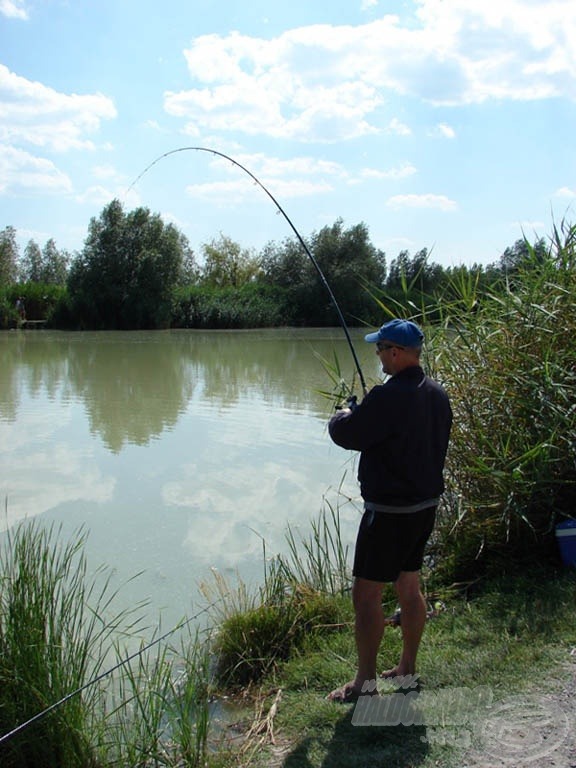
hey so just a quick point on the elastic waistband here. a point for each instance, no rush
(371, 506)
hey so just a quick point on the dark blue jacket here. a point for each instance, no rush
(402, 429)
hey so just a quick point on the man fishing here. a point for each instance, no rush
(401, 429)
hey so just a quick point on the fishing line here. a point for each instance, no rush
(102, 675)
(299, 237)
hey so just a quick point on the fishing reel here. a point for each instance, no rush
(351, 403)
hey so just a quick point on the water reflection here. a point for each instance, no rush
(179, 451)
(135, 385)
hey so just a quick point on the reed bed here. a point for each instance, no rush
(507, 356)
(70, 693)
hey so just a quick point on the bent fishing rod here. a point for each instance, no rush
(299, 237)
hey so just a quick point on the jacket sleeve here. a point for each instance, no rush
(362, 428)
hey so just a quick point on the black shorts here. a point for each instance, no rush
(389, 542)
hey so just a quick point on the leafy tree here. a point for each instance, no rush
(9, 255)
(226, 264)
(190, 272)
(31, 264)
(54, 264)
(126, 273)
(285, 265)
(349, 263)
(523, 253)
(47, 265)
(416, 272)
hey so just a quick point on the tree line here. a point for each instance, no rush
(137, 272)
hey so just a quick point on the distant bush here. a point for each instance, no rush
(250, 306)
(40, 301)
(8, 314)
(125, 276)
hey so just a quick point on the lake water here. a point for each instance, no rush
(178, 452)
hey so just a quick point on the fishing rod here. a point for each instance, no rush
(93, 681)
(299, 237)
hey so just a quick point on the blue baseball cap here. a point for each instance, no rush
(402, 332)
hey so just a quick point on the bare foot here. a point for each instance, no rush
(397, 676)
(350, 693)
(394, 672)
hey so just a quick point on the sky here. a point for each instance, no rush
(441, 124)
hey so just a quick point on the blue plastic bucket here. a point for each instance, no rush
(566, 538)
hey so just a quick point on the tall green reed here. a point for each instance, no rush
(507, 356)
(52, 640)
(160, 708)
(318, 561)
(65, 671)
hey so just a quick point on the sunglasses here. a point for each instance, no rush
(382, 346)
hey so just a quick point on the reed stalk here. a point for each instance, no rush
(70, 693)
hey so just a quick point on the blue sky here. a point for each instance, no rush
(445, 124)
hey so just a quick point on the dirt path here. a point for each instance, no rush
(532, 730)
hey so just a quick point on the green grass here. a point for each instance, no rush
(505, 636)
(66, 674)
(513, 636)
(501, 636)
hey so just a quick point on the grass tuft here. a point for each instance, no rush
(302, 596)
(90, 703)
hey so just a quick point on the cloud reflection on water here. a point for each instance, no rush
(179, 451)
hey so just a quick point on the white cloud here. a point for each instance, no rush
(22, 172)
(443, 131)
(512, 49)
(565, 192)
(34, 114)
(530, 226)
(106, 172)
(171, 218)
(399, 128)
(437, 202)
(232, 192)
(98, 194)
(295, 177)
(260, 164)
(327, 83)
(317, 112)
(365, 5)
(397, 244)
(401, 172)
(13, 9)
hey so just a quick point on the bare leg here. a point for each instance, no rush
(413, 620)
(369, 627)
